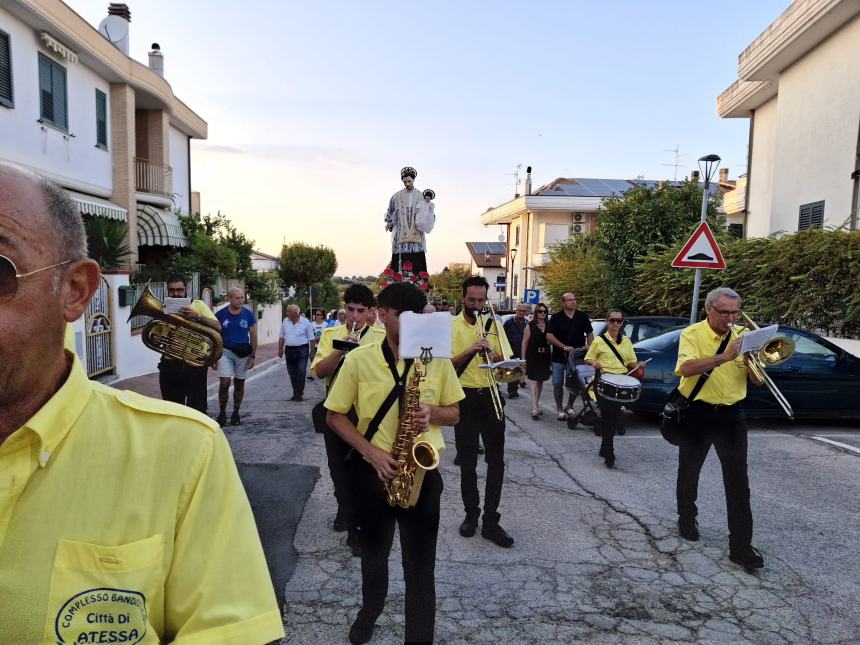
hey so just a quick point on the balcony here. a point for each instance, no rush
(153, 178)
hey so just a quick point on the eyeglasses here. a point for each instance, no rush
(9, 275)
(616, 320)
(542, 311)
(725, 313)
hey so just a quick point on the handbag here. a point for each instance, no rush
(673, 416)
(242, 351)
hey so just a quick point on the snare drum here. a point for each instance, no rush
(618, 387)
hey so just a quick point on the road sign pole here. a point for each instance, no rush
(697, 285)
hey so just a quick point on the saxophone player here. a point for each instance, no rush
(372, 380)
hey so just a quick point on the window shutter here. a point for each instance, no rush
(59, 87)
(811, 216)
(45, 92)
(817, 215)
(101, 118)
(5, 70)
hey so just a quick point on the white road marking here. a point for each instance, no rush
(838, 444)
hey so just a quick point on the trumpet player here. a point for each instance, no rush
(481, 413)
(715, 417)
(372, 380)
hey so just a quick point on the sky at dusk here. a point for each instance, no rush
(313, 108)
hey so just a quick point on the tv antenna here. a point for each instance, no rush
(516, 176)
(679, 160)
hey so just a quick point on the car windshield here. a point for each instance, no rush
(597, 327)
(660, 341)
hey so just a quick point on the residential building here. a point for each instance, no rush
(75, 108)
(487, 261)
(798, 86)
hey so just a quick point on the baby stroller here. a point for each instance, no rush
(579, 381)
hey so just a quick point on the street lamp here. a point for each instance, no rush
(510, 284)
(708, 167)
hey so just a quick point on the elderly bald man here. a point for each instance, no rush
(239, 331)
(127, 505)
(294, 342)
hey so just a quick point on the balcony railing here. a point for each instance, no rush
(153, 178)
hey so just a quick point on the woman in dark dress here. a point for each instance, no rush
(536, 351)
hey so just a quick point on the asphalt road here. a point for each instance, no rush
(597, 558)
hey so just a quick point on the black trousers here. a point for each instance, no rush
(478, 419)
(419, 528)
(297, 365)
(419, 262)
(725, 428)
(336, 450)
(610, 417)
(182, 383)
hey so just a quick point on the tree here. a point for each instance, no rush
(327, 296)
(574, 267)
(642, 219)
(303, 265)
(106, 242)
(447, 285)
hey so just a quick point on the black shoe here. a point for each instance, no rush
(620, 430)
(748, 557)
(688, 528)
(497, 535)
(457, 459)
(480, 449)
(353, 543)
(221, 419)
(361, 631)
(609, 460)
(310, 378)
(469, 526)
(341, 523)
(234, 418)
(296, 397)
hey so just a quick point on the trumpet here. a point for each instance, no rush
(777, 350)
(491, 373)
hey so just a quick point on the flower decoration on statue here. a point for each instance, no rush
(420, 279)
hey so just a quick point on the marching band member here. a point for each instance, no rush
(478, 416)
(370, 381)
(360, 307)
(612, 355)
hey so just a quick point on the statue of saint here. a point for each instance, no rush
(410, 216)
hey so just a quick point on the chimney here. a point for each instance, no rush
(724, 174)
(694, 176)
(529, 180)
(115, 26)
(156, 60)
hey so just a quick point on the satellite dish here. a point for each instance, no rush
(114, 28)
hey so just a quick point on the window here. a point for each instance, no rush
(811, 216)
(101, 119)
(516, 285)
(52, 93)
(517, 235)
(5, 71)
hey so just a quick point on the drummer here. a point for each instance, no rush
(611, 353)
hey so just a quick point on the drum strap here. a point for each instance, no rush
(611, 346)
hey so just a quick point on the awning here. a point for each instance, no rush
(90, 205)
(158, 227)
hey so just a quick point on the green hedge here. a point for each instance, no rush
(809, 279)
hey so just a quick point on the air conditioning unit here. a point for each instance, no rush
(577, 228)
(577, 217)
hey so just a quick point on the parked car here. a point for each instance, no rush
(820, 380)
(638, 328)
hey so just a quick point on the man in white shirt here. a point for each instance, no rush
(294, 342)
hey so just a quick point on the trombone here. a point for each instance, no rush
(491, 373)
(778, 350)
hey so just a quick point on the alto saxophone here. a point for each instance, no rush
(413, 457)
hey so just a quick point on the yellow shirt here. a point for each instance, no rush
(364, 381)
(203, 309)
(123, 517)
(600, 351)
(727, 383)
(464, 335)
(374, 334)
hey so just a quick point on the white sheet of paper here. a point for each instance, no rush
(432, 331)
(511, 363)
(173, 305)
(757, 338)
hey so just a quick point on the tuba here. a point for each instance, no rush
(414, 457)
(176, 337)
(777, 350)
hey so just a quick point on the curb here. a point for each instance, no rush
(212, 390)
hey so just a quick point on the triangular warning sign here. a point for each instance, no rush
(700, 251)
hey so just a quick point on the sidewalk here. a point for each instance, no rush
(267, 356)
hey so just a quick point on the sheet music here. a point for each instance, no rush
(173, 305)
(511, 363)
(757, 338)
(418, 331)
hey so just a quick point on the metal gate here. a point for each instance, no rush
(98, 329)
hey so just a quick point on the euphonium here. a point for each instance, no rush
(177, 337)
(413, 457)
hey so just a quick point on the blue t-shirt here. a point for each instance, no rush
(235, 328)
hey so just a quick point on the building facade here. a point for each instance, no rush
(798, 86)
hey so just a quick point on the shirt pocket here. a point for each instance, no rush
(430, 390)
(106, 594)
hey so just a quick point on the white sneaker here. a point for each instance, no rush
(561, 416)
(571, 411)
